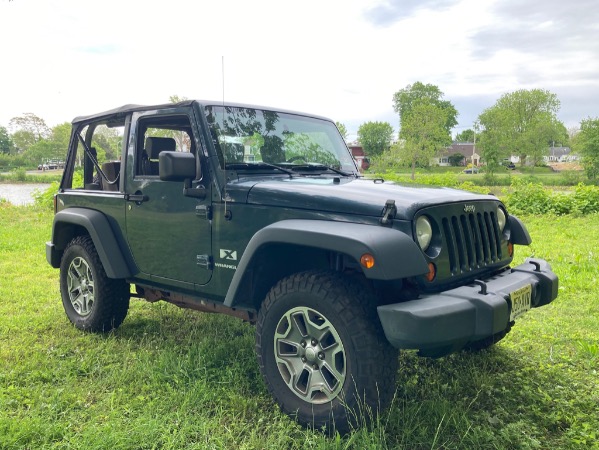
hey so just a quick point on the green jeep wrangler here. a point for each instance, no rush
(262, 214)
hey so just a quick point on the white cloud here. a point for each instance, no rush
(65, 58)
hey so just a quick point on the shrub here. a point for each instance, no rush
(528, 198)
(45, 199)
(19, 175)
(533, 198)
(586, 199)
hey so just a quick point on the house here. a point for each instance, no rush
(358, 154)
(560, 154)
(468, 149)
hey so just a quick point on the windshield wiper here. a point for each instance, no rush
(316, 166)
(258, 165)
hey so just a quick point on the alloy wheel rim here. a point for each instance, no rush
(310, 355)
(80, 285)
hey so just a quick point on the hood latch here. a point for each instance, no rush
(389, 213)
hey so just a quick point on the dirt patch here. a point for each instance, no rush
(559, 166)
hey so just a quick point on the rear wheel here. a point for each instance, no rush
(91, 300)
(322, 352)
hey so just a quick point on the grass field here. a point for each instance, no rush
(176, 379)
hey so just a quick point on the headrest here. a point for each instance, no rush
(155, 145)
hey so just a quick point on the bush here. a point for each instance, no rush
(528, 198)
(45, 199)
(19, 174)
(586, 199)
(533, 198)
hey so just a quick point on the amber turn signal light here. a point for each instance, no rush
(367, 260)
(510, 249)
(432, 272)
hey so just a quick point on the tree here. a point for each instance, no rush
(424, 131)
(182, 139)
(561, 137)
(28, 129)
(177, 99)
(375, 137)
(6, 143)
(54, 147)
(407, 98)
(586, 142)
(465, 136)
(455, 159)
(342, 130)
(108, 142)
(521, 123)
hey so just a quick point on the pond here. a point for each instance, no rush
(21, 194)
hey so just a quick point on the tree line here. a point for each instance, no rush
(522, 123)
(29, 142)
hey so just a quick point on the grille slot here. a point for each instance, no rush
(472, 240)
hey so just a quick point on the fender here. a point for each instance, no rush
(98, 227)
(396, 254)
(518, 232)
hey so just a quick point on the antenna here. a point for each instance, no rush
(223, 146)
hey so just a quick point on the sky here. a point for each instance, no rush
(343, 59)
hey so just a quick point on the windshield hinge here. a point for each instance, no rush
(389, 212)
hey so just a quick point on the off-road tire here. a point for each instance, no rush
(91, 300)
(348, 313)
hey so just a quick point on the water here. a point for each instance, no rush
(21, 194)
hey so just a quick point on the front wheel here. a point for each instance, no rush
(322, 352)
(91, 300)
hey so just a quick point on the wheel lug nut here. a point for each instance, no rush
(321, 355)
(303, 344)
(315, 366)
(314, 342)
(303, 359)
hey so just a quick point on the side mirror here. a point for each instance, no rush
(179, 166)
(176, 166)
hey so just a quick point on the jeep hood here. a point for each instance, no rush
(349, 196)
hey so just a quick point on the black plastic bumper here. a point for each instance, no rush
(441, 323)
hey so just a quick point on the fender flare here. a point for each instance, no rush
(518, 233)
(98, 227)
(396, 254)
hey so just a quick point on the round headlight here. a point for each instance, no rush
(424, 232)
(501, 219)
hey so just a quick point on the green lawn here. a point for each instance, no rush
(177, 379)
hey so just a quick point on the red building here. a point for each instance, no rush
(358, 154)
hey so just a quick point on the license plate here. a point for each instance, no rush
(520, 301)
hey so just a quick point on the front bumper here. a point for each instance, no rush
(441, 323)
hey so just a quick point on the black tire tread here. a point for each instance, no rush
(379, 361)
(112, 295)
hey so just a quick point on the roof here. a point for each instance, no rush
(559, 151)
(465, 148)
(126, 109)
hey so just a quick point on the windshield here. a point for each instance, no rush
(254, 137)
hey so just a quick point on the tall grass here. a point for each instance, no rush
(21, 176)
(176, 379)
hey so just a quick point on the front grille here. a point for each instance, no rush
(472, 240)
